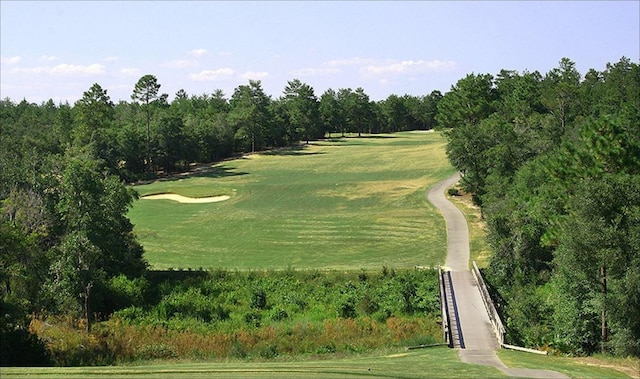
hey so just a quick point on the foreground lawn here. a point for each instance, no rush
(589, 367)
(347, 203)
(436, 362)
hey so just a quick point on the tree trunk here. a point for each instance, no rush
(87, 311)
(148, 141)
(604, 329)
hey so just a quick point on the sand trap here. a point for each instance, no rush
(184, 199)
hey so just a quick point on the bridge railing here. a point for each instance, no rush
(494, 317)
(444, 309)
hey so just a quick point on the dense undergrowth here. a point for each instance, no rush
(251, 315)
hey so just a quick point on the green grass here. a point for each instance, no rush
(574, 367)
(479, 249)
(438, 362)
(346, 203)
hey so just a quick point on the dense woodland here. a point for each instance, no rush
(553, 160)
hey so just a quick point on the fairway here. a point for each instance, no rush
(345, 203)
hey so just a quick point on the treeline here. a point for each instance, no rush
(149, 135)
(554, 162)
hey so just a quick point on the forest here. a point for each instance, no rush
(554, 163)
(552, 159)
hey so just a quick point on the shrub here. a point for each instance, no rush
(258, 299)
(156, 351)
(453, 191)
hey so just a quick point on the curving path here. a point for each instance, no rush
(479, 340)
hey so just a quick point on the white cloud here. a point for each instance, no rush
(198, 52)
(350, 62)
(181, 63)
(312, 71)
(254, 75)
(209, 75)
(63, 69)
(10, 60)
(48, 58)
(93, 69)
(407, 67)
(130, 71)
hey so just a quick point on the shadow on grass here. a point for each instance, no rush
(204, 171)
(375, 136)
(292, 151)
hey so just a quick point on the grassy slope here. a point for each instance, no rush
(478, 246)
(342, 204)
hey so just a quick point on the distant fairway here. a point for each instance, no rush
(347, 203)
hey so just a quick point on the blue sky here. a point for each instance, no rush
(57, 50)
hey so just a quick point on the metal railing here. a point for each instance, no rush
(494, 317)
(444, 309)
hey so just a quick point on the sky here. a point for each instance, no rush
(59, 49)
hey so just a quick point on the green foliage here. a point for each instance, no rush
(554, 164)
(198, 314)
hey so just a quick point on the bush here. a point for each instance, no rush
(156, 351)
(258, 299)
(453, 191)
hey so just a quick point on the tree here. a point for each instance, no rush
(146, 91)
(94, 114)
(396, 113)
(302, 108)
(169, 139)
(250, 115)
(560, 95)
(357, 109)
(331, 114)
(597, 261)
(469, 101)
(96, 238)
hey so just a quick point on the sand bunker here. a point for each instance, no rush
(184, 199)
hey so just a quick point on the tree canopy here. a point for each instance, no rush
(554, 162)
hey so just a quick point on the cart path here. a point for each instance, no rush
(480, 342)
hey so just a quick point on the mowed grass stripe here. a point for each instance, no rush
(339, 204)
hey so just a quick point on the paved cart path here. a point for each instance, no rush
(480, 342)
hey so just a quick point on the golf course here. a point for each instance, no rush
(343, 203)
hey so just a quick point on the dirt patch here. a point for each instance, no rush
(186, 200)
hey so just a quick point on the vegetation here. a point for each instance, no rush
(68, 249)
(554, 162)
(260, 315)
